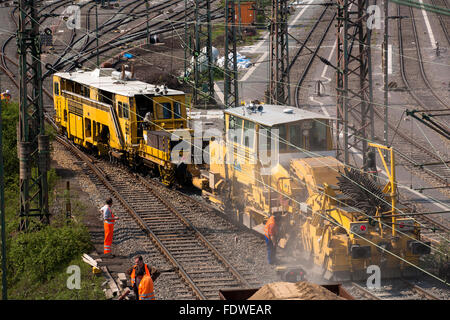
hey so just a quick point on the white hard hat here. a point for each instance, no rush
(7, 91)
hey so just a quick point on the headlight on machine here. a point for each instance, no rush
(359, 227)
(405, 225)
(419, 248)
(360, 252)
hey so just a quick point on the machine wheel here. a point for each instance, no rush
(167, 176)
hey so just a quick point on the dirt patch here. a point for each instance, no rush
(83, 195)
(294, 291)
(160, 63)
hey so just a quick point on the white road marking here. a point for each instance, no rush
(264, 56)
(321, 106)
(326, 66)
(219, 93)
(427, 24)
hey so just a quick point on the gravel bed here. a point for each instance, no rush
(248, 253)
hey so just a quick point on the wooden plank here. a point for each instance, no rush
(112, 284)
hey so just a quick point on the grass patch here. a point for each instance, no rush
(56, 287)
(37, 260)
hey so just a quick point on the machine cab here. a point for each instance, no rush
(278, 132)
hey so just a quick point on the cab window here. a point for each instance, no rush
(126, 110)
(56, 86)
(265, 139)
(238, 130)
(295, 137)
(318, 135)
(249, 133)
(231, 122)
(120, 109)
(167, 110)
(282, 136)
(177, 110)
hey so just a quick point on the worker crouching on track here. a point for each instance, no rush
(108, 223)
(270, 235)
(146, 288)
(137, 274)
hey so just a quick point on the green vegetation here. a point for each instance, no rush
(37, 260)
(437, 262)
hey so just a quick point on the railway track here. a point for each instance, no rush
(415, 153)
(158, 27)
(419, 88)
(167, 223)
(392, 289)
(443, 20)
(313, 55)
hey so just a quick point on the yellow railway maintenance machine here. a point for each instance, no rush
(111, 113)
(281, 159)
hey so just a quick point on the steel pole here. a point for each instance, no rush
(148, 27)
(96, 33)
(3, 214)
(385, 52)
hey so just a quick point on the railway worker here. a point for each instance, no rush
(370, 165)
(146, 288)
(138, 271)
(108, 223)
(270, 235)
(5, 96)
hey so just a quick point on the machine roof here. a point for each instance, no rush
(104, 80)
(271, 115)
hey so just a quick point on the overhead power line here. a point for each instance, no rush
(423, 6)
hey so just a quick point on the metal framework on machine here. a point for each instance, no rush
(33, 144)
(353, 78)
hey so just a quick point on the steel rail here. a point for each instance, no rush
(365, 292)
(85, 56)
(108, 22)
(300, 49)
(419, 60)
(421, 291)
(310, 62)
(76, 57)
(162, 248)
(441, 21)
(198, 234)
(12, 16)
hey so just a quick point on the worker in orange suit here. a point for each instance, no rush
(270, 236)
(138, 271)
(5, 96)
(146, 288)
(108, 223)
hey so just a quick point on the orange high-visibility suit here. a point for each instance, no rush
(146, 288)
(133, 273)
(269, 233)
(108, 224)
(5, 96)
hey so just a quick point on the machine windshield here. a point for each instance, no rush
(303, 135)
